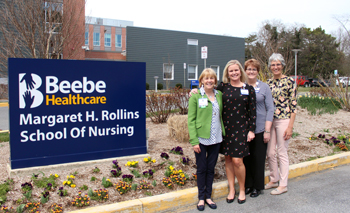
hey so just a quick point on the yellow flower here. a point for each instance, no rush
(73, 185)
(108, 180)
(154, 160)
(56, 175)
(64, 182)
(72, 176)
(171, 168)
(145, 159)
(180, 171)
(68, 182)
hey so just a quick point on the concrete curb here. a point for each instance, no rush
(187, 199)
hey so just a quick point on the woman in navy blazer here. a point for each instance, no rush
(206, 129)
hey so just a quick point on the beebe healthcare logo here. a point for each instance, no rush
(29, 95)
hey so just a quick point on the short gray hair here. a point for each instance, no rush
(276, 57)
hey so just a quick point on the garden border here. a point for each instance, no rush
(31, 170)
(187, 199)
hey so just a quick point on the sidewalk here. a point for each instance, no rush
(186, 199)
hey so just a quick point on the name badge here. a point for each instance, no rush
(257, 90)
(202, 102)
(244, 91)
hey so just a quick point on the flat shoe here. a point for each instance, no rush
(248, 190)
(231, 200)
(212, 206)
(201, 207)
(241, 201)
(278, 192)
(255, 193)
(269, 186)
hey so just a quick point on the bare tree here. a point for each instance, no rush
(41, 29)
(272, 37)
(343, 38)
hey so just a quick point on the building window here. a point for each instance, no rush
(53, 13)
(168, 71)
(192, 42)
(96, 39)
(86, 38)
(118, 40)
(107, 39)
(216, 68)
(192, 72)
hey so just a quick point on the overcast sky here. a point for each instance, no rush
(220, 17)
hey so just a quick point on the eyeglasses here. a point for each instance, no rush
(252, 70)
(276, 65)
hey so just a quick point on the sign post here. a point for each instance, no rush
(184, 75)
(205, 55)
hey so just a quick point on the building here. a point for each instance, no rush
(41, 29)
(105, 39)
(175, 57)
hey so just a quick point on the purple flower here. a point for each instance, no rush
(164, 155)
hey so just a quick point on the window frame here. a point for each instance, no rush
(86, 38)
(196, 72)
(116, 40)
(95, 42)
(217, 70)
(172, 71)
(110, 40)
(50, 25)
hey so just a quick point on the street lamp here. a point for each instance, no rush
(296, 61)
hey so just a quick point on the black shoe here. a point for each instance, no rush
(241, 201)
(248, 190)
(212, 206)
(255, 193)
(231, 200)
(200, 207)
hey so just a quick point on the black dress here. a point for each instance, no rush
(239, 115)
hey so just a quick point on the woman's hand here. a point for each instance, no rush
(196, 149)
(193, 91)
(267, 137)
(251, 136)
(288, 133)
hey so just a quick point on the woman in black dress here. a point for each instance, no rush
(239, 115)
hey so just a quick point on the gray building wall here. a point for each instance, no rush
(156, 47)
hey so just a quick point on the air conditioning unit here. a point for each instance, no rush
(124, 52)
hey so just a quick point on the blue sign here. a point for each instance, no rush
(67, 110)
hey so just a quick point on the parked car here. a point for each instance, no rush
(301, 80)
(343, 81)
(316, 83)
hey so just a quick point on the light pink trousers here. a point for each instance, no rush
(277, 146)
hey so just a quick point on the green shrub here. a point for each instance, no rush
(4, 188)
(4, 137)
(159, 86)
(317, 105)
(147, 86)
(178, 86)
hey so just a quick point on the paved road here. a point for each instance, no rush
(4, 118)
(325, 191)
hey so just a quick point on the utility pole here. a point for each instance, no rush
(296, 61)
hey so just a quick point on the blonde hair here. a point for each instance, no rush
(207, 72)
(225, 77)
